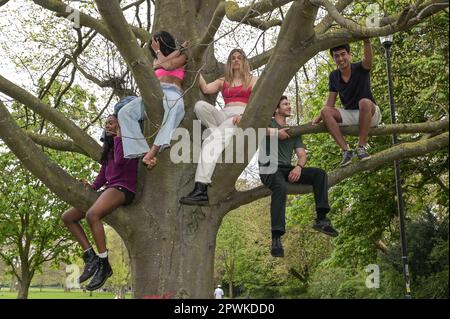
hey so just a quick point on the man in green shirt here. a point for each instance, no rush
(285, 173)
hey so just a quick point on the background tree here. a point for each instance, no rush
(120, 262)
(166, 240)
(29, 232)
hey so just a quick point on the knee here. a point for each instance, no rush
(199, 107)
(365, 105)
(327, 112)
(280, 188)
(67, 217)
(320, 176)
(321, 173)
(92, 217)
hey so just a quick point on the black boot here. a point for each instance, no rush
(199, 196)
(277, 248)
(324, 226)
(90, 265)
(103, 272)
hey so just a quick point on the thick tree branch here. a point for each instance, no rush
(57, 144)
(56, 179)
(208, 36)
(85, 20)
(262, 24)
(134, 55)
(328, 20)
(401, 128)
(360, 31)
(82, 139)
(294, 47)
(398, 152)
(261, 59)
(234, 13)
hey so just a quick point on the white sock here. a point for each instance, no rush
(103, 255)
(88, 249)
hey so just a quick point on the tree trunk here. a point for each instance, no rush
(230, 289)
(24, 284)
(171, 246)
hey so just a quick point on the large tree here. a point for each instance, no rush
(172, 246)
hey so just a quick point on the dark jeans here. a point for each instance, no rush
(278, 182)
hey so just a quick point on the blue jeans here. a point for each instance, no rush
(134, 143)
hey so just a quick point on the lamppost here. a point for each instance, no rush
(386, 41)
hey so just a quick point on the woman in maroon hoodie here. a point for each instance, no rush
(119, 176)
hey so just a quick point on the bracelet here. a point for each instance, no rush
(302, 167)
(157, 51)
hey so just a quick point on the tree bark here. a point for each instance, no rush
(172, 246)
(24, 281)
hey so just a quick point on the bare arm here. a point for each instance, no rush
(254, 80)
(301, 155)
(173, 61)
(331, 100)
(296, 172)
(367, 61)
(210, 88)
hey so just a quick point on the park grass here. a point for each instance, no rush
(58, 293)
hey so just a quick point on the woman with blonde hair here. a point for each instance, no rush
(236, 87)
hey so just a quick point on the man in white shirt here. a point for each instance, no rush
(218, 293)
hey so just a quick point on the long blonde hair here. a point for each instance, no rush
(245, 69)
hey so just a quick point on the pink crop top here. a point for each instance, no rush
(235, 94)
(178, 73)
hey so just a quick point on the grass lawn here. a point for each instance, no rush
(58, 293)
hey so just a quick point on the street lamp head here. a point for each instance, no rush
(387, 40)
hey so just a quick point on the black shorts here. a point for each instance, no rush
(129, 196)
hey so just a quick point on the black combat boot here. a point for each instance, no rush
(277, 248)
(199, 196)
(90, 265)
(103, 272)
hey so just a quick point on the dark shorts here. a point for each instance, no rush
(129, 196)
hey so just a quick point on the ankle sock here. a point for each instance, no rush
(103, 255)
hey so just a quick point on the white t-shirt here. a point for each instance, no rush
(218, 293)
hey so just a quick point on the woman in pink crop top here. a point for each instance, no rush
(236, 87)
(169, 61)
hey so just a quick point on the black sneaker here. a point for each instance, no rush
(324, 226)
(361, 152)
(90, 259)
(277, 248)
(103, 272)
(346, 158)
